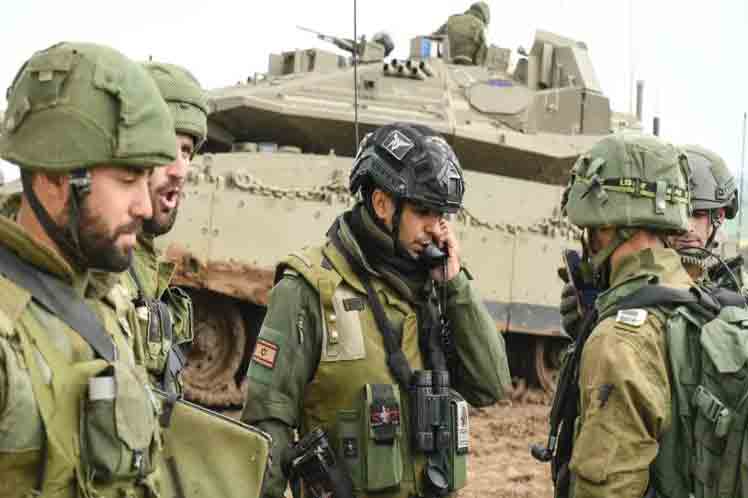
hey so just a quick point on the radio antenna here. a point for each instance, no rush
(355, 73)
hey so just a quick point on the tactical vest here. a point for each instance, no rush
(709, 367)
(101, 445)
(353, 358)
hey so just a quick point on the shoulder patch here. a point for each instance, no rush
(633, 317)
(265, 353)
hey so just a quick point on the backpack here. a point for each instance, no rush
(707, 338)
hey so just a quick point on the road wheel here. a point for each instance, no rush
(217, 353)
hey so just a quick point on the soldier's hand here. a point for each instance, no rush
(447, 241)
(569, 309)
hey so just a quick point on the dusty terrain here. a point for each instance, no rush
(501, 465)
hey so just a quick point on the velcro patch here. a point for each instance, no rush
(265, 353)
(353, 304)
(632, 317)
(398, 144)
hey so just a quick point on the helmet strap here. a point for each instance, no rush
(714, 220)
(601, 260)
(67, 238)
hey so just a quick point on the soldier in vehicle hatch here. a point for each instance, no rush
(85, 125)
(374, 342)
(467, 34)
(166, 311)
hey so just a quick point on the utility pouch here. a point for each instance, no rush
(313, 460)
(156, 321)
(349, 444)
(383, 465)
(460, 431)
(180, 305)
(118, 426)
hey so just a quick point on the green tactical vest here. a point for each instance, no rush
(76, 429)
(352, 356)
(709, 368)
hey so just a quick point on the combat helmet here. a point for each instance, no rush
(482, 10)
(411, 163)
(75, 106)
(629, 181)
(185, 97)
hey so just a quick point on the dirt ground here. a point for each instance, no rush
(500, 464)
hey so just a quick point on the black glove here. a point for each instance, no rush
(569, 309)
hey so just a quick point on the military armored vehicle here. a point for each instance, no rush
(275, 170)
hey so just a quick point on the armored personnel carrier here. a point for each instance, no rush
(275, 170)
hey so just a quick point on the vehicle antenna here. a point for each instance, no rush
(355, 74)
(742, 180)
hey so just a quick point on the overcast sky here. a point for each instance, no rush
(691, 54)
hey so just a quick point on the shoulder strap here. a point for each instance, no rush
(60, 300)
(650, 296)
(396, 360)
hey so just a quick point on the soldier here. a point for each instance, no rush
(629, 193)
(466, 34)
(714, 198)
(85, 125)
(166, 311)
(356, 330)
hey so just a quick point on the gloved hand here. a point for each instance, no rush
(571, 320)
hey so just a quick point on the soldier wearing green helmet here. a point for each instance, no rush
(467, 34)
(86, 126)
(629, 193)
(166, 311)
(650, 395)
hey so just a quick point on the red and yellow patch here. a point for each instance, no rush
(265, 353)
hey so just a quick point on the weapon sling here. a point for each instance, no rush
(59, 299)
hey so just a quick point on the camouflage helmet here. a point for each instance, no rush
(186, 99)
(410, 162)
(482, 10)
(630, 180)
(712, 184)
(76, 105)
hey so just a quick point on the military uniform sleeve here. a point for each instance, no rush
(482, 52)
(482, 372)
(284, 361)
(625, 407)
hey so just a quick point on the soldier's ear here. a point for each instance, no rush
(384, 206)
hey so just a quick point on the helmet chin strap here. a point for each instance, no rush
(66, 238)
(601, 260)
(716, 222)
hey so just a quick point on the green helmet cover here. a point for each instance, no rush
(630, 180)
(482, 10)
(712, 184)
(185, 97)
(78, 105)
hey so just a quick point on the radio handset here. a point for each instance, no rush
(433, 257)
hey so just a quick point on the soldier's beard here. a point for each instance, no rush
(160, 224)
(98, 243)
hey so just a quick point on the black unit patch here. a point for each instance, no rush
(354, 304)
(398, 144)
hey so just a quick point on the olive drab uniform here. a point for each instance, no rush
(320, 362)
(46, 369)
(467, 38)
(624, 384)
(165, 313)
